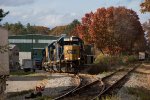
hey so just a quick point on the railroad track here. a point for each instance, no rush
(86, 90)
(83, 84)
(70, 91)
(98, 88)
(113, 80)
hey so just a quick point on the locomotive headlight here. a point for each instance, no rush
(66, 58)
(78, 58)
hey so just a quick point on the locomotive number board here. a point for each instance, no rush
(67, 39)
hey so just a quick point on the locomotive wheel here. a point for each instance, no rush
(76, 70)
(55, 68)
(51, 69)
(67, 69)
(59, 67)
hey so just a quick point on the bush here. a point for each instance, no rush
(101, 64)
(102, 59)
(129, 59)
(97, 68)
(104, 63)
(132, 59)
(108, 60)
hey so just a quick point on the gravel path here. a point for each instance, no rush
(22, 83)
(54, 84)
(57, 83)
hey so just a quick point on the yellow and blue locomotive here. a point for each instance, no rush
(66, 54)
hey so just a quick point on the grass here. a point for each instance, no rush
(44, 98)
(110, 97)
(115, 60)
(21, 72)
(139, 92)
(19, 93)
(105, 63)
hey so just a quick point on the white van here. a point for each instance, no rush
(27, 65)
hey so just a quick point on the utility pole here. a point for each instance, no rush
(32, 55)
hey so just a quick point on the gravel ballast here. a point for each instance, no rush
(139, 81)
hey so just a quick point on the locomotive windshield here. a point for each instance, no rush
(71, 43)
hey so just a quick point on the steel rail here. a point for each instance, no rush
(69, 92)
(108, 88)
(81, 87)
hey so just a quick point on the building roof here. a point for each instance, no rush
(11, 46)
(25, 43)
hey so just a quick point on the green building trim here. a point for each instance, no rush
(25, 43)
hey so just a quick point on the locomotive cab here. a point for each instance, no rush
(66, 54)
(70, 50)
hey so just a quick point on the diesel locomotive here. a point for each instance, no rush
(66, 54)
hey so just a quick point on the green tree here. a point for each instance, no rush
(30, 29)
(66, 29)
(3, 48)
(16, 28)
(2, 14)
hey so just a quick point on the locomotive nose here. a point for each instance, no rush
(71, 52)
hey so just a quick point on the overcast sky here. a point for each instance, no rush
(53, 13)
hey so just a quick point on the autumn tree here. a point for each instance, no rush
(66, 29)
(112, 30)
(82, 30)
(41, 30)
(58, 30)
(145, 6)
(128, 29)
(146, 27)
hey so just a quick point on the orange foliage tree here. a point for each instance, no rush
(145, 6)
(112, 30)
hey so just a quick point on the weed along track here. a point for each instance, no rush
(114, 80)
